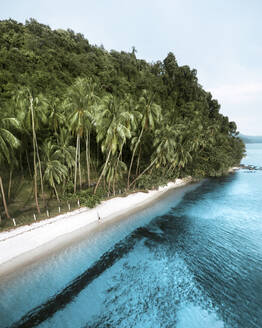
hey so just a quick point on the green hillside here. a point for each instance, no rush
(81, 122)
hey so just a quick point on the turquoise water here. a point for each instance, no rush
(193, 260)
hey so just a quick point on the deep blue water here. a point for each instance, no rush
(193, 260)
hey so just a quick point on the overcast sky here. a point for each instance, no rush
(222, 39)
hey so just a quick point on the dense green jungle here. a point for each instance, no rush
(80, 123)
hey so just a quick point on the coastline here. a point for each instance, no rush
(233, 169)
(27, 244)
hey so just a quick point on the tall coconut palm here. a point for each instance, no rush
(184, 148)
(55, 115)
(8, 142)
(114, 172)
(151, 164)
(151, 113)
(164, 149)
(32, 114)
(165, 144)
(168, 151)
(65, 151)
(112, 123)
(81, 99)
(54, 171)
(23, 134)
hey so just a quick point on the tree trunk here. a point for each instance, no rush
(120, 155)
(89, 157)
(10, 185)
(117, 162)
(97, 149)
(109, 187)
(145, 170)
(138, 161)
(3, 196)
(102, 173)
(35, 181)
(40, 172)
(34, 147)
(76, 163)
(171, 169)
(87, 160)
(79, 164)
(56, 193)
(132, 158)
(35, 192)
(114, 185)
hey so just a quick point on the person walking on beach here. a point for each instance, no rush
(98, 216)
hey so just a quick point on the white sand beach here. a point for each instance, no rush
(25, 244)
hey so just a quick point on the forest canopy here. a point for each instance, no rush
(75, 114)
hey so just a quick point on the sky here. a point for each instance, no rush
(221, 39)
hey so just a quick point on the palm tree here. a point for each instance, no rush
(112, 123)
(165, 144)
(167, 151)
(54, 171)
(81, 100)
(55, 114)
(184, 146)
(151, 113)
(64, 150)
(24, 135)
(8, 142)
(114, 172)
(33, 115)
(163, 154)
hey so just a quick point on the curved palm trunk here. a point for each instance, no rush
(114, 185)
(171, 168)
(79, 165)
(88, 159)
(138, 161)
(118, 159)
(34, 148)
(3, 196)
(109, 187)
(76, 162)
(132, 158)
(56, 193)
(103, 171)
(145, 170)
(119, 156)
(35, 180)
(10, 185)
(40, 171)
(35, 185)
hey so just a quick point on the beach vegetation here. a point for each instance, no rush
(80, 123)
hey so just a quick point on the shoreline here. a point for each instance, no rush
(27, 244)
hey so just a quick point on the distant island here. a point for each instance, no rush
(250, 139)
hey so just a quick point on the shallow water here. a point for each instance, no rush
(194, 259)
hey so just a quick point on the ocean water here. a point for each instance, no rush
(193, 260)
